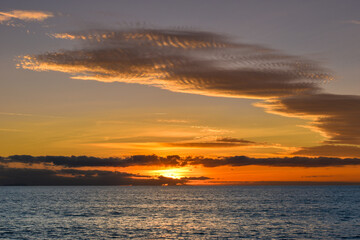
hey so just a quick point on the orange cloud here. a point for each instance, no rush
(25, 15)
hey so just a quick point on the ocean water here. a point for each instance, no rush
(180, 212)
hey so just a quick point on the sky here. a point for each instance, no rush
(179, 92)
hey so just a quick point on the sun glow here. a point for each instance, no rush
(175, 173)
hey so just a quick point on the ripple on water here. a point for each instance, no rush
(291, 212)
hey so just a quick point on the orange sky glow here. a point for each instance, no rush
(228, 102)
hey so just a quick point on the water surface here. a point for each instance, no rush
(180, 212)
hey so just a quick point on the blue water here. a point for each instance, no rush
(180, 212)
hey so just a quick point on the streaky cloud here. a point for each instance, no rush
(330, 150)
(357, 22)
(25, 15)
(183, 61)
(223, 142)
(211, 64)
(234, 140)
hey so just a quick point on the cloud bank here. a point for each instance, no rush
(177, 161)
(47, 177)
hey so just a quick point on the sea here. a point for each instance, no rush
(180, 212)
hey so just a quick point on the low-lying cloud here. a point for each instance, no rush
(177, 161)
(48, 177)
(86, 161)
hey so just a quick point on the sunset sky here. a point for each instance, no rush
(179, 92)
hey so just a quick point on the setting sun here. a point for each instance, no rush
(247, 111)
(175, 173)
(162, 104)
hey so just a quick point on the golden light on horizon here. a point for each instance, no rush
(175, 173)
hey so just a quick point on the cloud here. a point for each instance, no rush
(235, 140)
(143, 139)
(11, 130)
(176, 121)
(176, 161)
(210, 64)
(31, 177)
(25, 15)
(12, 114)
(357, 22)
(283, 183)
(238, 161)
(202, 144)
(318, 176)
(85, 161)
(183, 61)
(336, 116)
(217, 143)
(330, 151)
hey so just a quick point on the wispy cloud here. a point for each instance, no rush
(354, 22)
(330, 150)
(24, 15)
(223, 142)
(175, 121)
(143, 139)
(14, 114)
(211, 130)
(11, 130)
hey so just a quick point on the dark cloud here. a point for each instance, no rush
(176, 161)
(330, 151)
(196, 178)
(85, 161)
(235, 140)
(209, 64)
(283, 183)
(185, 61)
(224, 142)
(318, 176)
(238, 161)
(203, 145)
(336, 115)
(31, 177)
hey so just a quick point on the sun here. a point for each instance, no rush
(174, 173)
